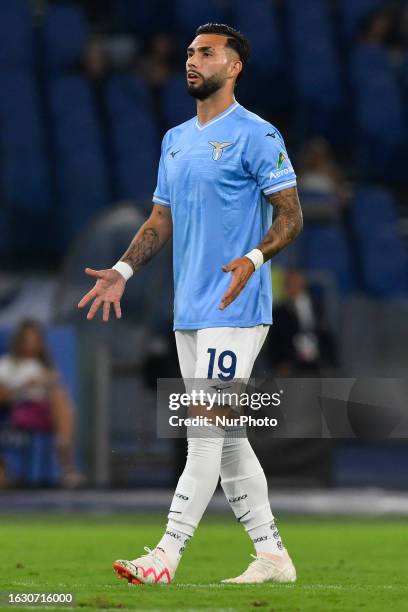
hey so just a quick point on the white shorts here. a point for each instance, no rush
(223, 353)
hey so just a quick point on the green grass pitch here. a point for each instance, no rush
(342, 564)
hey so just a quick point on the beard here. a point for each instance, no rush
(206, 89)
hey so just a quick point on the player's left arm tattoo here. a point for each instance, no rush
(288, 222)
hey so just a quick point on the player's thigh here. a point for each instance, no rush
(186, 342)
(228, 352)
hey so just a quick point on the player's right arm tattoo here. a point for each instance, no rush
(142, 248)
(150, 238)
(288, 222)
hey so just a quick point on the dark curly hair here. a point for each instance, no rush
(235, 40)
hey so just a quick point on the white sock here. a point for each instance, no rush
(266, 539)
(173, 544)
(194, 490)
(244, 483)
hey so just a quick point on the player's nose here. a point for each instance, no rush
(191, 65)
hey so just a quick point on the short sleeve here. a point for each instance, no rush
(267, 159)
(161, 193)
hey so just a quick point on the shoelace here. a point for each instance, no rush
(260, 565)
(151, 552)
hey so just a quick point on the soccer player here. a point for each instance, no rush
(220, 175)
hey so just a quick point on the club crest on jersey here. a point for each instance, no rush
(218, 148)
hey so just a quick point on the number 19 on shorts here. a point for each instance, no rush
(226, 363)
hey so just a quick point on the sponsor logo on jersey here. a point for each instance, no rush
(280, 171)
(218, 148)
(174, 153)
(281, 159)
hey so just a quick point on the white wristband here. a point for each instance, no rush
(256, 256)
(124, 269)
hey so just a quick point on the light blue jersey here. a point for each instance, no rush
(216, 178)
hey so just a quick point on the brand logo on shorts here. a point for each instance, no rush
(232, 500)
(220, 388)
(180, 496)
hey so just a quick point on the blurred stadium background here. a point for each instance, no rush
(88, 89)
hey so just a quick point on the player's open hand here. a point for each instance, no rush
(106, 292)
(241, 268)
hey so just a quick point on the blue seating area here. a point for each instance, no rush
(382, 254)
(177, 107)
(316, 69)
(381, 126)
(352, 11)
(134, 137)
(325, 249)
(72, 144)
(22, 142)
(142, 18)
(65, 37)
(316, 63)
(258, 19)
(80, 161)
(268, 65)
(187, 17)
(16, 36)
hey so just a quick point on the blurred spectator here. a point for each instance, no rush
(375, 28)
(158, 62)
(31, 390)
(95, 61)
(299, 343)
(156, 66)
(107, 55)
(4, 482)
(322, 188)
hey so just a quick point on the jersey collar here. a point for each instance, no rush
(227, 111)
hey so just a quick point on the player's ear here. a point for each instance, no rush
(235, 68)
